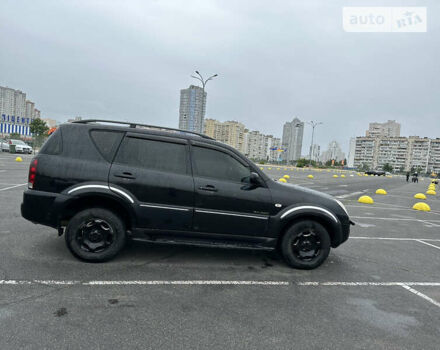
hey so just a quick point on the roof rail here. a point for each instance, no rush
(138, 125)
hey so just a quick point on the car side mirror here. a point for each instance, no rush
(255, 179)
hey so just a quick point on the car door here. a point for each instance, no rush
(156, 171)
(225, 201)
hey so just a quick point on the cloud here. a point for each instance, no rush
(129, 60)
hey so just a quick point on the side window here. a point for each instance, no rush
(218, 165)
(154, 155)
(53, 144)
(106, 141)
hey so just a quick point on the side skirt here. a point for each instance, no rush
(204, 239)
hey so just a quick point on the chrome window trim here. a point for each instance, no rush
(163, 207)
(231, 214)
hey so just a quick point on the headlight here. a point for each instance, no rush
(342, 206)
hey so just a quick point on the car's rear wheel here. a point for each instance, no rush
(305, 245)
(95, 235)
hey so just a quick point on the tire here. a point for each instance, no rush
(95, 235)
(312, 235)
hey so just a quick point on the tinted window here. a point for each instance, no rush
(106, 141)
(218, 165)
(152, 154)
(53, 144)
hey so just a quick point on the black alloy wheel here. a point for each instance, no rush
(305, 244)
(95, 235)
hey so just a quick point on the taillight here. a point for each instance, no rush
(32, 173)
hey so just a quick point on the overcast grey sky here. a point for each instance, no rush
(275, 59)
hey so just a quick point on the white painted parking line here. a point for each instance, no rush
(140, 283)
(430, 222)
(368, 206)
(350, 195)
(8, 188)
(196, 282)
(394, 219)
(7, 184)
(373, 284)
(421, 295)
(396, 238)
(214, 282)
(431, 245)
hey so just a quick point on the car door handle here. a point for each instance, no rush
(125, 175)
(208, 188)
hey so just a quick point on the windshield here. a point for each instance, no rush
(18, 142)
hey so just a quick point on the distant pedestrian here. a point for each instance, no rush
(415, 178)
(407, 176)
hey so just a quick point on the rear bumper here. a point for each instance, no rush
(40, 207)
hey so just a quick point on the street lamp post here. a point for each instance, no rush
(314, 124)
(200, 78)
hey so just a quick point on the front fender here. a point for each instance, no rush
(288, 215)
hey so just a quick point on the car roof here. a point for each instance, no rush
(149, 130)
(159, 131)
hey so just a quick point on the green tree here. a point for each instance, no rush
(39, 130)
(302, 162)
(387, 167)
(364, 167)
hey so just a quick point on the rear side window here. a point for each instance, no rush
(218, 165)
(153, 154)
(54, 144)
(107, 142)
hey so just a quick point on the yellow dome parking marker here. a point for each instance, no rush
(421, 206)
(365, 200)
(419, 196)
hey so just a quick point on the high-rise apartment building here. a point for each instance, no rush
(257, 146)
(402, 153)
(230, 132)
(16, 112)
(192, 108)
(51, 123)
(351, 152)
(253, 144)
(273, 152)
(389, 129)
(434, 156)
(292, 139)
(315, 152)
(364, 152)
(391, 150)
(334, 152)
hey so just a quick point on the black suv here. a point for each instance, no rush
(103, 182)
(375, 172)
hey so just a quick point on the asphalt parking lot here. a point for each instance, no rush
(379, 290)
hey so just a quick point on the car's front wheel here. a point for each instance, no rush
(95, 235)
(305, 245)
